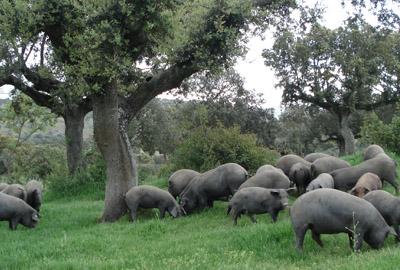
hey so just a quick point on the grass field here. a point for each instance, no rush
(69, 237)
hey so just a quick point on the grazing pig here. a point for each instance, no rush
(268, 167)
(324, 180)
(365, 184)
(34, 194)
(179, 180)
(3, 186)
(372, 150)
(15, 210)
(257, 200)
(314, 156)
(326, 165)
(287, 161)
(267, 179)
(299, 174)
(151, 197)
(330, 211)
(203, 189)
(389, 207)
(382, 166)
(16, 190)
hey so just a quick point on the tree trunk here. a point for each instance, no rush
(121, 171)
(349, 142)
(74, 124)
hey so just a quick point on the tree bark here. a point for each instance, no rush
(115, 148)
(74, 124)
(347, 134)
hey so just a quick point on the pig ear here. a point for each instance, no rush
(36, 217)
(174, 212)
(290, 190)
(274, 193)
(391, 231)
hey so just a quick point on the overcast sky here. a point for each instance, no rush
(260, 77)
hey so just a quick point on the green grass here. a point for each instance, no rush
(69, 237)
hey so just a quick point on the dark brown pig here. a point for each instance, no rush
(330, 211)
(365, 184)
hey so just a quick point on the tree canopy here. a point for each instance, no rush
(342, 70)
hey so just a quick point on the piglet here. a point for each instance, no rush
(152, 197)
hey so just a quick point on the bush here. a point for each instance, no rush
(374, 131)
(91, 181)
(206, 148)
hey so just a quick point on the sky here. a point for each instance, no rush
(260, 77)
(257, 76)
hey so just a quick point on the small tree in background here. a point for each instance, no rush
(24, 118)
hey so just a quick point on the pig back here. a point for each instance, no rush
(332, 211)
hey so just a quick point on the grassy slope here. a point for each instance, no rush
(69, 237)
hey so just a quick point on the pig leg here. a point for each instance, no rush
(252, 218)
(317, 238)
(300, 233)
(274, 215)
(235, 215)
(133, 210)
(396, 229)
(13, 224)
(162, 212)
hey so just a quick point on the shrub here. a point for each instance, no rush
(84, 182)
(206, 148)
(374, 131)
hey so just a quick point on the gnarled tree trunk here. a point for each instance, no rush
(116, 151)
(74, 124)
(349, 142)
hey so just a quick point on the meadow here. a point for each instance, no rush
(70, 237)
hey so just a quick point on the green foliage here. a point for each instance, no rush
(91, 181)
(206, 148)
(29, 161)
(24, 117)
(374, 131)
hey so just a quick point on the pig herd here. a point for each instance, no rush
(19, 204)
(321, 181)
